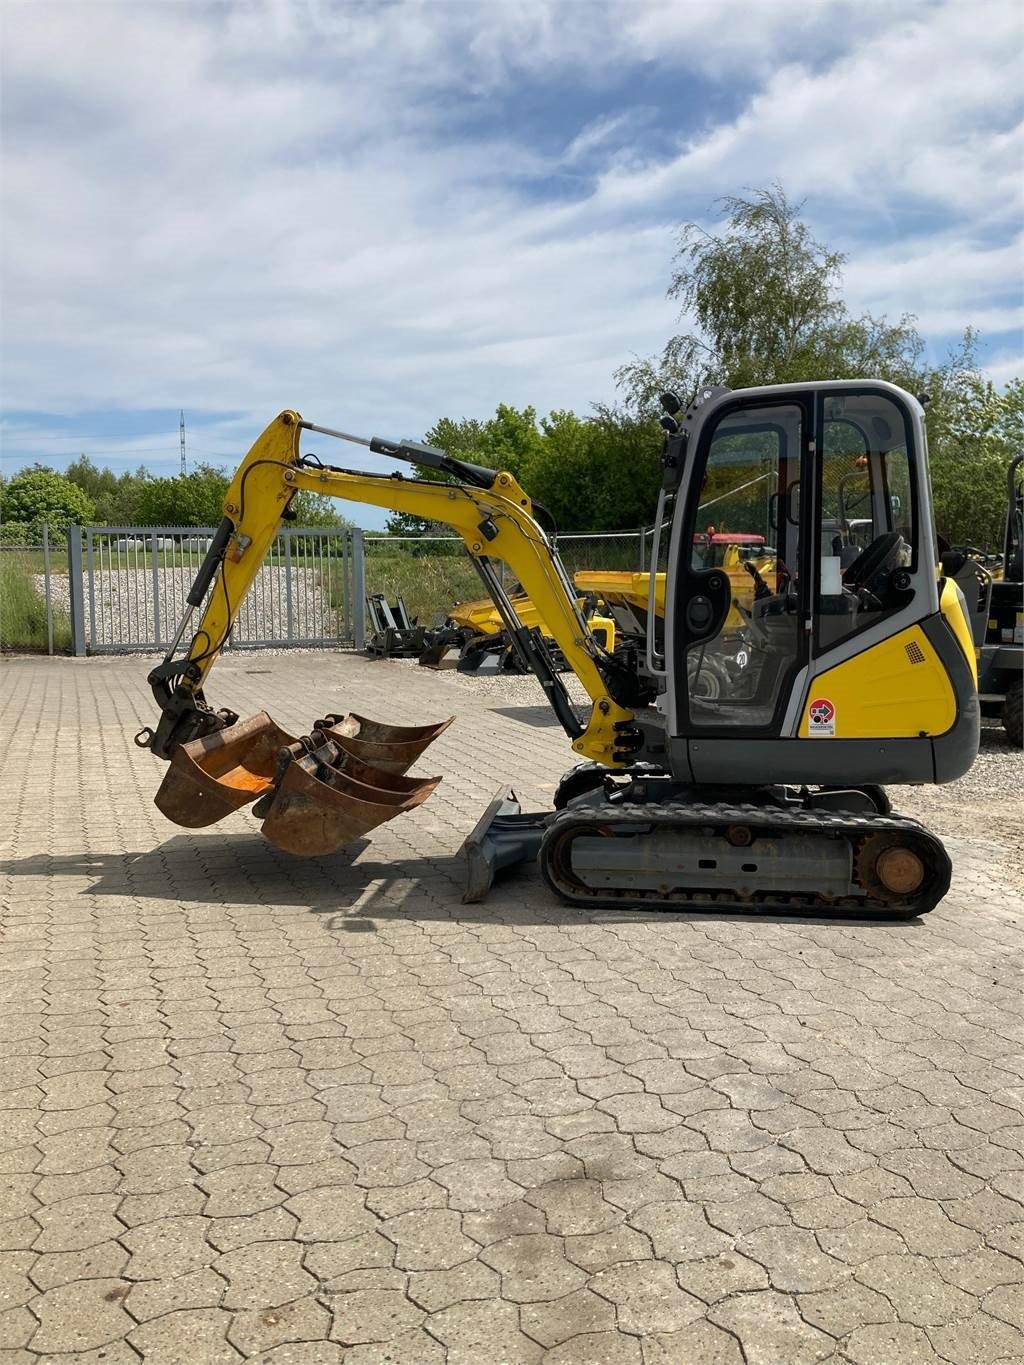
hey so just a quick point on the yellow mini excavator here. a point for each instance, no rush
(844, 663)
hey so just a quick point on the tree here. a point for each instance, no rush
(766, 299)
(765, 296)
(504, 441)
(116, 497)
(194, 499)
(37, 496)
(596, 473)
(973, 433)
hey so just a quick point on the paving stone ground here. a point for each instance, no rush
(311, 1112)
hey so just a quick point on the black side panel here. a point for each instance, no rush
(754, 762)
(957, 749)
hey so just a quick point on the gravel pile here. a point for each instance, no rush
(125, 600)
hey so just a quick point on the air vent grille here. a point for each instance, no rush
(915, 653)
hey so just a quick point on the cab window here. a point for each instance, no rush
(866, 527)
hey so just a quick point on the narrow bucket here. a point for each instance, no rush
(326, 799)
(214, 776)
(390, 748)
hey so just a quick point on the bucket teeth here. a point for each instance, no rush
(314, 794)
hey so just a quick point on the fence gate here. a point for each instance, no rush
(128, 587)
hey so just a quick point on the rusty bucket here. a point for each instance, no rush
(211, 777)
(392, 748)
(326, 798)
(313, 794)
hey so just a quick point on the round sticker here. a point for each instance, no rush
(822, 717)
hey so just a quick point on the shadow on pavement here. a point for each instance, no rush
(239, 870)
(540, 717)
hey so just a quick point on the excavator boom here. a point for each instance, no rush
(320, 791)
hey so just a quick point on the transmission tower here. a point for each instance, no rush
(181, 434)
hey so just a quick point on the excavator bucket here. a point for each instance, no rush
(211, 777)
(314, 794)
(327, 798)
(393, 748)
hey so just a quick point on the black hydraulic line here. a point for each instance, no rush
(211, 563)
(531, 649)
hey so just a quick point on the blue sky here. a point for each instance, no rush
(382, 213)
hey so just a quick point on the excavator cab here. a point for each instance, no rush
(842, 638)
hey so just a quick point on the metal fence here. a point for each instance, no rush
(128, 586)
(32, 593)
(123, 587)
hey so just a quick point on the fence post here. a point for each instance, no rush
(643, 548)
(287, 537)
(46, 587)
(156, 595)
(91, 561)
(358, 589)
(76, 591)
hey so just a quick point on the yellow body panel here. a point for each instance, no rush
(620, 588)
(896, 689)
(483, 617)
(951, 604)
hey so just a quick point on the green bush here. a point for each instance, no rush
(23, 610)
(39, 496)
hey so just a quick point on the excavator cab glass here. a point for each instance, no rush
(817, 496)
(738, 660)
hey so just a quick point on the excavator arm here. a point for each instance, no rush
(488, 509)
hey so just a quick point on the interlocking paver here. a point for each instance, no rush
(647, 1298)
(79, 1316)
(186, 1336)
(322, 1114)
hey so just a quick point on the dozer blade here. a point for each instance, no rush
(391, 748)
(214, 776)
(326, 798)
(503, 837)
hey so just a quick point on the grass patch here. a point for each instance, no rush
(429, 584)
(23, 609)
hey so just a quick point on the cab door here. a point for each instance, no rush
(738, 608)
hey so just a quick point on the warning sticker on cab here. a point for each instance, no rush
(822, 720)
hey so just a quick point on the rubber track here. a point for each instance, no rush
(571, 824)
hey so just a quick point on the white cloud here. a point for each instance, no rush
(234, 208)
(925, 110)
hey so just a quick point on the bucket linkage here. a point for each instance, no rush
(315, 793)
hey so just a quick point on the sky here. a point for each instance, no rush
(387, 211)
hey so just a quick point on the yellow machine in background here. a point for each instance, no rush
(481, 628)
(735, 755)
(627, 596)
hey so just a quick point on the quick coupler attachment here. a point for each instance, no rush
(314, 794)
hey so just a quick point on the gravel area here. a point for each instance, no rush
(124, 605)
